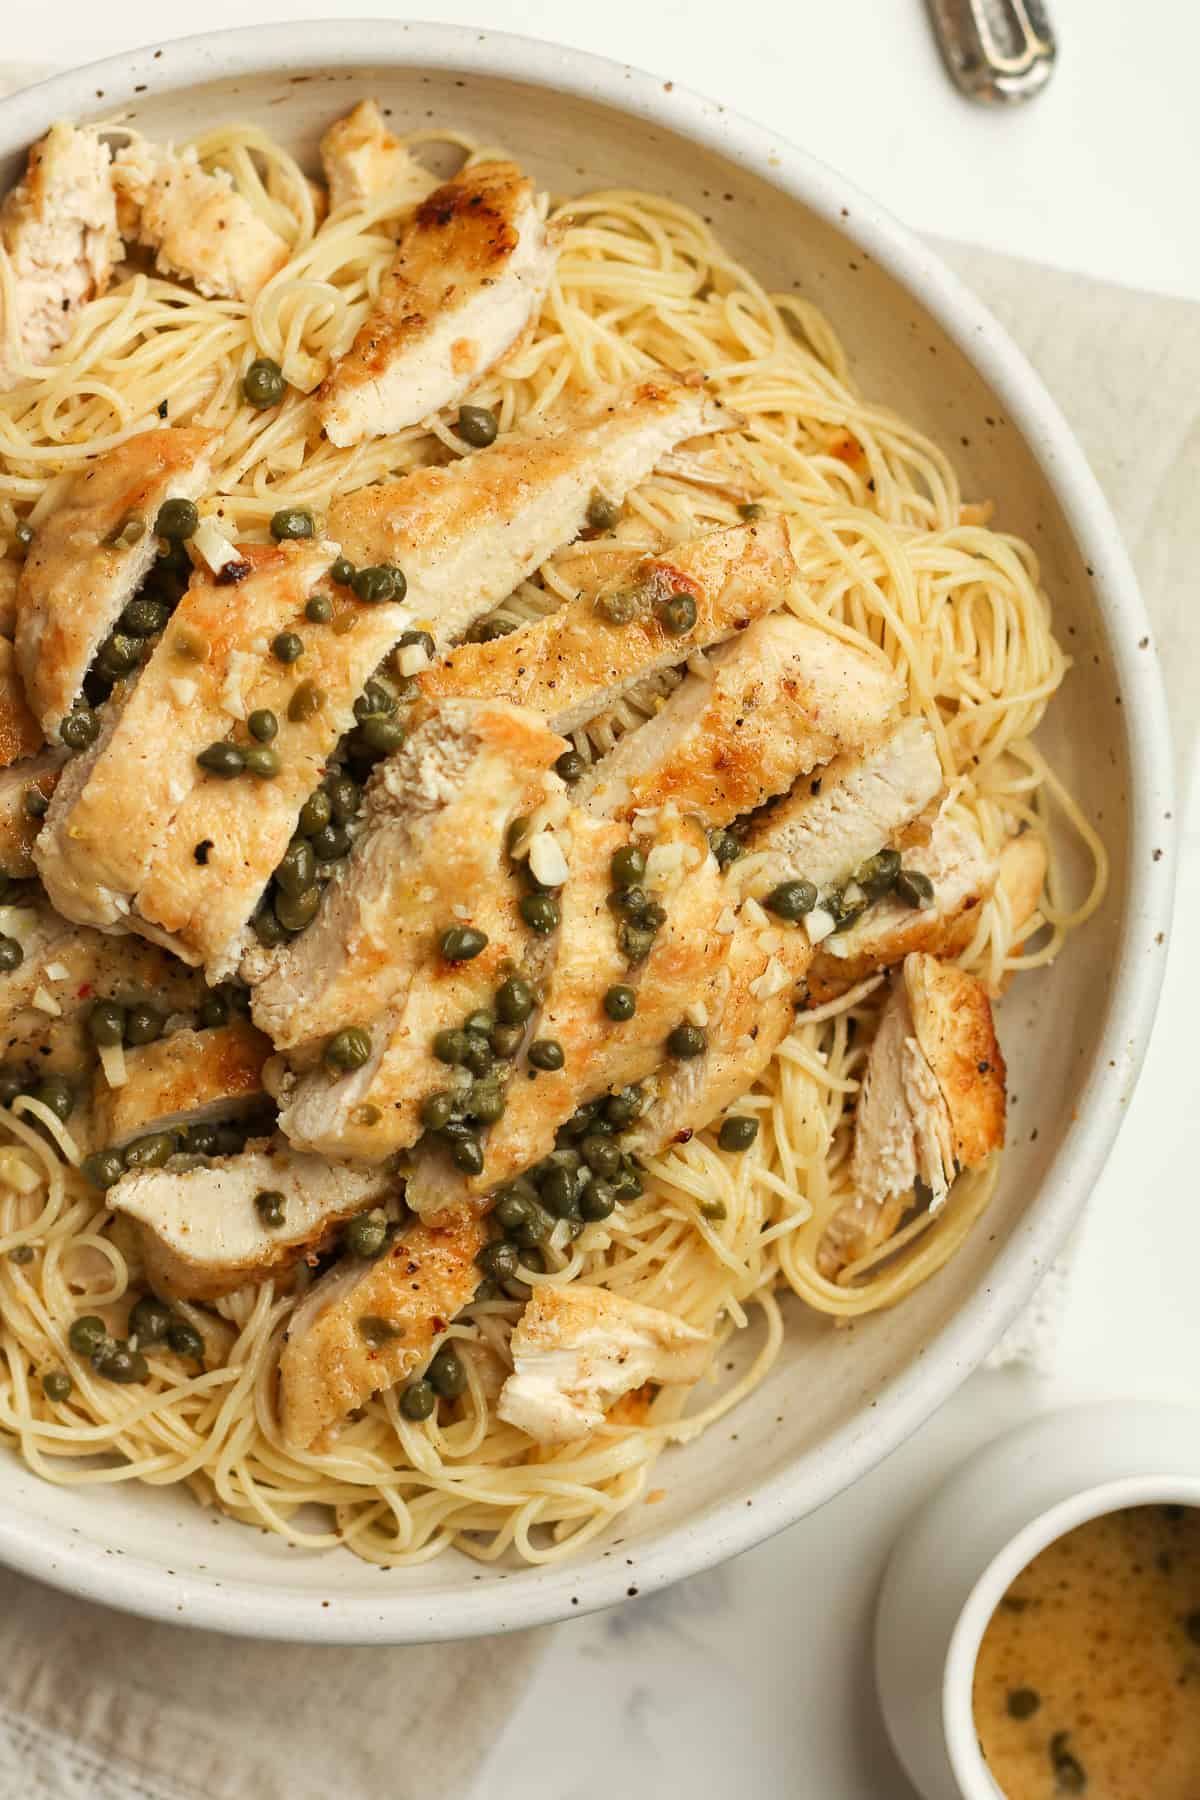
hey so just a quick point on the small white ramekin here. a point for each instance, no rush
(960, 1553)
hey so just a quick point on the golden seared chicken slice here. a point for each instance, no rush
(209, 1229)
(932, 1103)
(198, 226)
(580, 660)
(467, 535)
(367, 1325)
(19, 826)
(10, 576)
(188, 1078)
(362, 160)
(20, 733)
(117, 804)
(960, 874)
(467, 278)
(432, 839)
(773, 703)
(90, 555)
(828, 826)
(594, 955)
(58, 230)
(576, 1350)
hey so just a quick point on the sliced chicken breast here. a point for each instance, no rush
(468, 276)
(576, 1350)
(932, 1103)
(198, 226)
(433, 837)
(467, 535)
(576, 662)
(90, 555)
(367, 1325)
(202, 1233)
(774, 702)
(19, 826)
(20, 733)
(58, 231)
(362, 160)
(188, 1078)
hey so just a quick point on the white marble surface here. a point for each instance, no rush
(755, 1679)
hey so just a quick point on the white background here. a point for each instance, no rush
(755, 1680)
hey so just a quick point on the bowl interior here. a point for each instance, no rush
(814, 1422)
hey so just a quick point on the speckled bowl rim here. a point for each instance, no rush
(553, 1592)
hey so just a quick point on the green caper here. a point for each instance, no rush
(35, 803)
(518, 831)
(330, 844)
(117, 1362)
(377, 1331)
(686, 1041)
(345, 796)
(467, 1154)
(597, 1200)
(378, 584)
(349, 1049)
(263, 384)
(418, 1401)
(185, 1340)
(498, 1260)
(620, 1003)
(151, 1151)
(56, 1094)
(318, 609)
(480, 1020)
(620, 608)
(382, 734)
(738, 1131)
(149, 1319)
(450, 1046)
(437, 1109)
(295, 911)
(306, 702)
(225, 760)
(791, 899)
(12, 954)
(602, 513)
(571, 767)
(446, 1373)
(177, 520)
(477, 426)
(724, 846)
(267, 928)
(88, 1334)
(118, 654)
(316, 813)
(750, 510)
(629, 1184)
(487, 1102)
(478, 1055)
(513, 1210)
(214, 1008)
(461, 943)
(539, 911)
(506, 1040)
(342, 571)
(628, 866)
(144, 617)
(262, 725)
(79, 730)
(292, 522)
(374, 700)
(103, 1168)
(915, 888)
(56, 1384)
(559, 1193)
(199, 1140)
(262, 761)
(366, 1234)
(623, 1108)
(297, 870)
(287, 647)
(423, 640)
(877, 876)
(514, 1001)
(677, 615)
(635, 941)
(143, 1024)
(602, 1156)
(546, 1053)
(486, 631)
(106, 1022)
(713, 1210)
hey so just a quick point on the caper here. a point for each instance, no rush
(349, 1049)
(724, 846)
(518, 831)
(738, 1131)
(297, 871)
(877, 876)
(318, 609)
(88, 1334)
(35, 803)
(377, 1331)
(450, 1046)
(374, 699)
(602, 1156)
(102, 1168)
(56, 1094)
(185, 1340)
(306, 702)
(514, 1001)
(513, 1210)
(623, 1108)
(602, 513)
(342, 571)
(487, 1102)
(498, 1260)
(635, 941)
(487, 631)
(378, 584)
(628, 866)
(366, 1234)
(106, 1022)
(225, 760)
(262, 761)
(618, 609)
(677, 614)
(791, 899)
(199, 1140)
(330, 844)
(79, 730)
(506, 1040)
(597, 1200)
(418, 1401)
(539, 911)
(477, 426)
(686, 1041)
(437, 1109)
(316, 813)
(295, 911)
(467, 1154)
(267, 928)
(56, 1384)
(263, 725)
(478, 1055)
(382, 734)
(144, 617)
(713, 1210)
(287, 647)
(571, 767)
(177, 520)
(345, 796)
(628, 1185)
(559, 1193)
(446, 1373)
(12, 955)
(292, 522)
(117, 1362)
(915, 888)
(750, 510)
(461, 943)
(215, 1008)
(143, 1024)
(149, 1319)
(151, 1151)
(481, 1020)
(620, 1003)
(546, 1053)
(263, 384)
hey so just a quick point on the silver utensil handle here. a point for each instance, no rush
(997, 51)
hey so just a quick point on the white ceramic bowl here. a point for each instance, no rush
(836, 1402)
(967, 1545)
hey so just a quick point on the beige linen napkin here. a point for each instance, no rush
(97, 1706)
